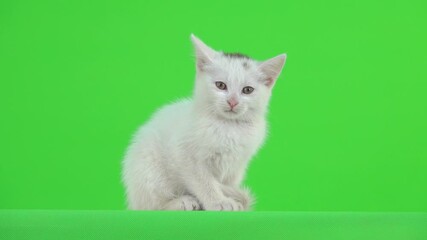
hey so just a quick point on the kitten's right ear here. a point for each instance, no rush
(204, 54)
(272, 68)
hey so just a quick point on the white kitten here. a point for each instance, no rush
(193, 154)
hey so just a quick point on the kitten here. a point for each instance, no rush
(193, 154)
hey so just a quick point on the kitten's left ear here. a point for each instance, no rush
(204, 54)
(272, 68)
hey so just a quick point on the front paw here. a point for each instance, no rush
(227, 204)
(242, 196)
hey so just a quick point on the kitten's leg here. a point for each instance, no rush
(147, 183)
(184, 203)
(202, 184)
(242, 196)
(231, 188)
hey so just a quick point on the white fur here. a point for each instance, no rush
(193, 154)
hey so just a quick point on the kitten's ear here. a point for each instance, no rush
(272, 68)
(204, 54)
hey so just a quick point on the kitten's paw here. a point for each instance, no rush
(242, 196)
(183, 203)
(227, 204)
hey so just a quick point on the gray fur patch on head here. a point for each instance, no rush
(240, 56)
(236, 55)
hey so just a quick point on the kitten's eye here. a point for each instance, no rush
(247, 90)
(221, 85)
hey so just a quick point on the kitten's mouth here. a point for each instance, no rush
(231, 111)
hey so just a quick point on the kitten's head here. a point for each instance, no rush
(232, 85)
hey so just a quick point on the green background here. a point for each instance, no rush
(348, 117)
(129, 225)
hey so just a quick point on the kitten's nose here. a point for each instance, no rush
(232, 102)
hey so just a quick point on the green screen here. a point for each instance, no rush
(348, 116)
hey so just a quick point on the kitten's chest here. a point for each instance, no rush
(227, 148)
(232, 142)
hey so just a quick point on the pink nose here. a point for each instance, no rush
(232, 103)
